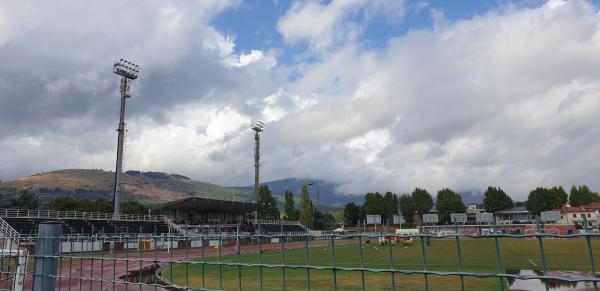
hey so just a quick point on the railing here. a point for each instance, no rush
(174, 226)
(8, 231)
(52, 214)
(275, 221)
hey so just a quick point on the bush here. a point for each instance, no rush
(133, 207)
(156, 175)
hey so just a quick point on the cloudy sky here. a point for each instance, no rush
(373, 95)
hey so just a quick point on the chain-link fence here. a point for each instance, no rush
(342, 260)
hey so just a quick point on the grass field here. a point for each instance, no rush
(478, 256)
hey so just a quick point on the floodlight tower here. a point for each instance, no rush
(128, 71)
(258, 128)
(317, 195)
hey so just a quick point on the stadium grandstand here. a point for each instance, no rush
(203, 215)
(26, 221)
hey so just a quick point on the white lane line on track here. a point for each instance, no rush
(532, 262)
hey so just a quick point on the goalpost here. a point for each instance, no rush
(548, 230)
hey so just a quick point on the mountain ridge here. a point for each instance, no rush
(159, 187)
(153, 187)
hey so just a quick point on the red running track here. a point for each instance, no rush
(96, 274)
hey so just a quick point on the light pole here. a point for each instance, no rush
(258, 128)
(316, 195)
(128, 71)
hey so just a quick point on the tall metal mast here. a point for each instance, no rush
(258, 128)
(127, 71)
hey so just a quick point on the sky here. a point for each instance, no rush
(380, 95)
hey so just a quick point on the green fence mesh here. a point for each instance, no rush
(349, 260)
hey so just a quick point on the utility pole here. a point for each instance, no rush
(128, 71)
(258, 128)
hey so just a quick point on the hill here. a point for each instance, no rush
(157, 187)
(327, 197)
(147, 186)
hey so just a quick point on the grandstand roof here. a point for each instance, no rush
(200, 204)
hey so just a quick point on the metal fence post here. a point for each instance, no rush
(47, 250)
(459, 255)
(589, 248)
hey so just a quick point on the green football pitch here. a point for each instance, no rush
(478, 256)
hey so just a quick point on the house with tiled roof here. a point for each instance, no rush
(575, 214)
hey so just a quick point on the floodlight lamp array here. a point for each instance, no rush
(126, 69)
(257, 126)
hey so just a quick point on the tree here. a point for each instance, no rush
(582, 195)
(86, 205)
(390, 204)
(560, 196)
(323, 220)
(63, 203)
(67, 203)
(133, 207)
(103, 205)
(374, 204)
(26, 199)
(447, 202)
(306, 208)
(338, 216)
(421, 200)
(290, 211)
(351, 213)
(407, 207)
(265, 196)
(495, 200)
(543, 199)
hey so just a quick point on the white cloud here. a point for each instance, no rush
(370, 144)
(194, 141)
(322, 25)
(507, 98)
(57, 88)
(255, 58)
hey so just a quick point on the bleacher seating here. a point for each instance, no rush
(29, 226)
(273, 228)
(140, 227)
(24, 226)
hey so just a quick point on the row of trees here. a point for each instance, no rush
(543, 199)
(306, 214)
(23, 198)
(418, 202)
(448, 201)
(66, 203)
(27, 199)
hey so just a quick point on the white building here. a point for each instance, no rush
(575, 215)
(515, 215)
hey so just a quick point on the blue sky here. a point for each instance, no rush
(253, 24)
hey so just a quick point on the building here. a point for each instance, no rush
(514, 216)
(198, 210)
(472, 211)
(209, 216)
(575, 214)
